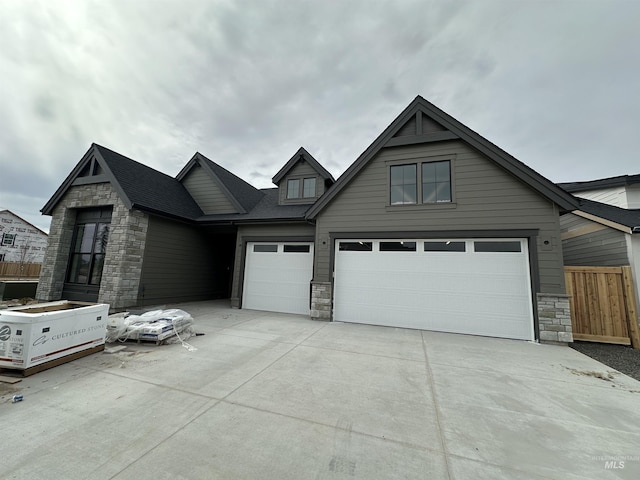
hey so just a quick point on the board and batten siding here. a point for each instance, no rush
(274, 232)
(207, 193)
(301, 170)
(587, 243)
(485, 198)
(178, 264)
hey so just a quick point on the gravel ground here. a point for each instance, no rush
(619, 357)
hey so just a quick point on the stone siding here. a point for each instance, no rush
(125, 250)
(554, 318)
(54, 266)
(321, 301)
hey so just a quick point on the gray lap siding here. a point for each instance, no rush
(602, 247)
(207, 193)
(178, 264)
(486, 198)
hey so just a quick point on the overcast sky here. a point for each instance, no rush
(246, 83)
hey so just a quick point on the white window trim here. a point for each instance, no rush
(8, 244)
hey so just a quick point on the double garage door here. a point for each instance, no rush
(473, 286)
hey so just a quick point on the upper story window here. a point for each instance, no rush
(301, 188)
(8, 239)
(422, 182)
(309, 188)
(293, 188)
(403, 184)
(436, 182)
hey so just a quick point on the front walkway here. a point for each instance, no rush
(273, 396)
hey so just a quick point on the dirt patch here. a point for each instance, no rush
(17, 302)
(619, 357)
(606, 376)
(7, 390)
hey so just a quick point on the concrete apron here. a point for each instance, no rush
(274, 396)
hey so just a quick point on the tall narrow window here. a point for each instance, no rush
(436, 182)
(403, 184)
(293, 188)
(309, 188)
(88, 253)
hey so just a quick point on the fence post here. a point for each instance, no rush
(632, 306)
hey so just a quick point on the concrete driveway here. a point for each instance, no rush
(272, 396)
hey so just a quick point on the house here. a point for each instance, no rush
(432, 227)
(622, 191)
(605, 229)
(20, 241)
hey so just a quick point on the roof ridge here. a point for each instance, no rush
(101, 147)
(302, 154)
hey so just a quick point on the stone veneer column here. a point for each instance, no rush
(321, 301)
(125, 253)
(125, 249)
(54, 266)
(554, 318)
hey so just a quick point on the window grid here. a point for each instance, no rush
(88, 254)
(432, 177)
(403, 184)
(309, 188)
(293, 188)
(436, 182)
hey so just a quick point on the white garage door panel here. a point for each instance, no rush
(277, 281)
(461, 292)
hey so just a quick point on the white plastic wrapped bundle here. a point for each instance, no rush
(155, 325)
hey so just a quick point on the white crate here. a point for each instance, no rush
(35, 334)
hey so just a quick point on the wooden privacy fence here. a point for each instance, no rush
(17, 269)
(603, 305)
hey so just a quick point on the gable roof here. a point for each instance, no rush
(422, 122)
(23, 220)
(242, 195)
(624, 219)
(268, 209)
(138, 186)
(302, 154)
(619, 181)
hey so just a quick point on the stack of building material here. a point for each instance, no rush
(155, 326)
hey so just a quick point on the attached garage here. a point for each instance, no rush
(472, 286)
(277, 276)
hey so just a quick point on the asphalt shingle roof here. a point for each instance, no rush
(267, 209)
(150, 189)
(623, 216)
(600, 183)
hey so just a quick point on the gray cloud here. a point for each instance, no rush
(247, 83)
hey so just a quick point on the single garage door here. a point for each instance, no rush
(277, 277)
(473, 286)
